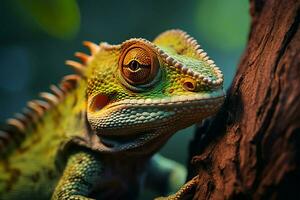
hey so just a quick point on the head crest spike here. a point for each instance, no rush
(35, 107)
(21, 117)
(78, 67)
(69, 82)
(43, 104)
(92, 46)
(31, 115)
(51, 98)
(83, 57)
(71, 77)
(58, 92)
(5, 136)
(17, 124)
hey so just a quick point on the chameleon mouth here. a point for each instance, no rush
(200, 99)
(128, 131)
(100, 101)
(123, 142)
(127, 117)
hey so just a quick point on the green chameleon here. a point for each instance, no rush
(96, 134)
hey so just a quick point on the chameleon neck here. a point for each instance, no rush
(47, 117)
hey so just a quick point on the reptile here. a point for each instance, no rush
(96, 134)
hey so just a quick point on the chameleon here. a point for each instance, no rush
(96, 134)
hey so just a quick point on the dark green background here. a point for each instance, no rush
(37, 36)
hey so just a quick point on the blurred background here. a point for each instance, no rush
(37, 36)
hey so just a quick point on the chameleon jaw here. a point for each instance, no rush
(134, 145)
(160, 108)
(183, 100)
(130, 124)
(120, 142)
(153, 135)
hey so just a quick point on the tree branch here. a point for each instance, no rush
(250, 150)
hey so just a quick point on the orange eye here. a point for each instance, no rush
(138, 65)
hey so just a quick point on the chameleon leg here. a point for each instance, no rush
(164, 175)
(80, 175)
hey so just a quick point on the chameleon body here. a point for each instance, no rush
(96, 134)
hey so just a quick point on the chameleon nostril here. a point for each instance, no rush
(189, 85)
(98, 102)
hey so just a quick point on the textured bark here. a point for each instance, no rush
(250, 150)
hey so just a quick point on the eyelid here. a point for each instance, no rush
(139, 69)
(148, 64)
(138, 54)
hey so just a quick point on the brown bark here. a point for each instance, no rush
(250, 150)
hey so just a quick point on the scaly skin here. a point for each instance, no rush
(95, 135)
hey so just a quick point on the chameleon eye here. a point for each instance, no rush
(138, 65)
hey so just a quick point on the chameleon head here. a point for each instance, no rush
(140, 92)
